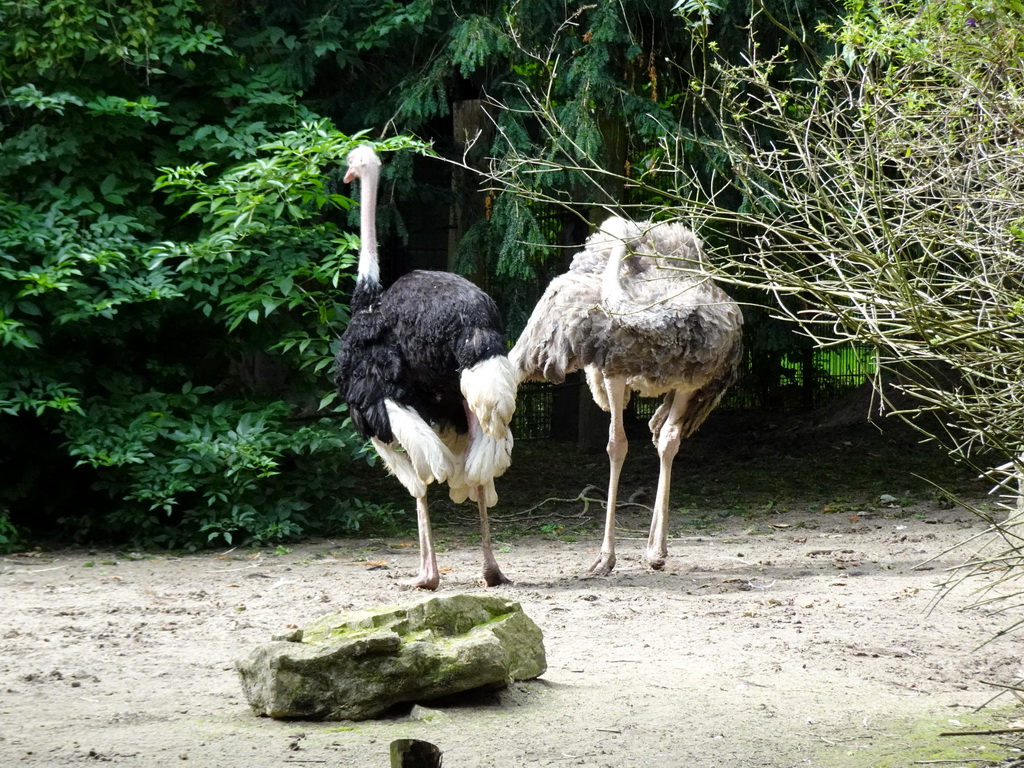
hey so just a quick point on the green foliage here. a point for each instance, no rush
(201, 473)
(173, 258)
(210, 464)
(10, 539)
(615, 110)
(220, 473)
(698, 13)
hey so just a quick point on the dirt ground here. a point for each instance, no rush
(791, 626)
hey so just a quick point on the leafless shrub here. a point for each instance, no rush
(878, 197)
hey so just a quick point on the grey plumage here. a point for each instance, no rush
(638, 311)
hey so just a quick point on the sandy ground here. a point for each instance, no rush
(791, 632)
(760, 645)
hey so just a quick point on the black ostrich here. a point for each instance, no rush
(424, 371)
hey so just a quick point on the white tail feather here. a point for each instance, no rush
(490, 390)
(482, 459)
(460, 494)
(400, 466)
(468, 463)
(487, 458)
(430, 458)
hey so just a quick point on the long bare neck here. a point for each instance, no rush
(611, 282)
(369, 264)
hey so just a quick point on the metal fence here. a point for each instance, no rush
(803, 379)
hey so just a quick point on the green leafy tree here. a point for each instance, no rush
(172, 266)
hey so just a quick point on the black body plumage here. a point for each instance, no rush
(423, 369)
(409, 344)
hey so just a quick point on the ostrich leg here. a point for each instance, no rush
(667, 438)
(401, 467)
(492, 573)
(429, 576)
(618, 446)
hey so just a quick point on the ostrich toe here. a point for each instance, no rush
(603, 565)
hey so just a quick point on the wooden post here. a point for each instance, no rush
(413, 753)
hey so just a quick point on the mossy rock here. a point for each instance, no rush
(354, 666)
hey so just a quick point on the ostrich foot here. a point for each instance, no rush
(426, 581)
(654, 559)
(493, 577)
(603, 565)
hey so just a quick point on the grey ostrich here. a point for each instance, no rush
(638, 312)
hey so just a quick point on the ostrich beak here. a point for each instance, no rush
(350, 175)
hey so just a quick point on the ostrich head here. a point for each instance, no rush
(362, 162)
